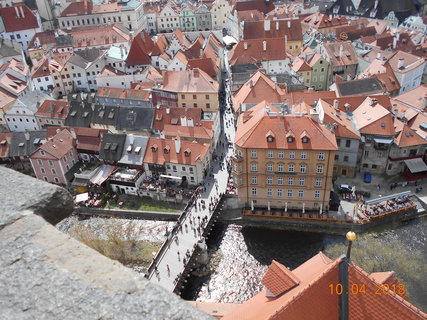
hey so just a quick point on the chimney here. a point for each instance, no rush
(201, 53)
(277, 25)
(27, 135)
(264, 45)
(168, 111)
(289, 24)
(73, 133)
(336, 104)
(340, 54)
(196, 72)
(267, 25)
(131, 139)
(190, 122)
(394, 42)
(379, 55)
(286, 42)
(121, 51)
(17, 11)
(177, 144)
(245, 45)
(22, 11)
(400, 63)
(184, 121)
(251, 83)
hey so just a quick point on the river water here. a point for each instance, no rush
(247, 252)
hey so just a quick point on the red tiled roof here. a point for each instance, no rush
(318, 21)
(300, 65)
(13, 23)
(88, 139)
(277, 29)
(54, 109)
(312, 299)
(59, 145)
(206, 64)
(140, 50)
(278, 279)
(163, 116)
(118, 93)
(254, 125)
(5, 144)
(408, 137)
(195, 51)
(155, 154)
(309, 97)
(259, 87)
(260, 5)
(348, 56)
(373, 118)
(194, 80)
(87, 7)
(275, 49)
(187, 132)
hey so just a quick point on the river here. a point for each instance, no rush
(247, 252)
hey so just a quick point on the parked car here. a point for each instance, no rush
(346, 188)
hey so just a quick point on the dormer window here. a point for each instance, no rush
(270, 138)
(166, 150)
(154, 148)
(290, 139)
(305, 140)
(187, 152)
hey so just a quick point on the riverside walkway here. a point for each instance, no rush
(169, 264)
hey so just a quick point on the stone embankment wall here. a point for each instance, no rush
(45, 274)
(128, 214)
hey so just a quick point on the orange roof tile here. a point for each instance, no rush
(348, 56)
(187, 132)
(373, 118)
(415, 98)
(300, 65)
(409, 137)
(254, 124)
(318, 21)
(53, 109)
(309, 97)
(410, 61)
(259, 87)
(155, 154)
(13, 23)
(164, 116)
(88, 139)
(133, 94)
(206, 64)
(278, 279)
(194, 80)
(278, 29)
(275, 49)
(140, 50)
(59, 145)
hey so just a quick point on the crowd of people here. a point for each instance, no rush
(383, 207)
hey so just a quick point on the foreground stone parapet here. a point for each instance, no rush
(45, 274)
(19, 192)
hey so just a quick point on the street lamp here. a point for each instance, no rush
(351, 236)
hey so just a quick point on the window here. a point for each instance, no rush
(338, 142)
(42, 170)
(317, 194)
(303, 168)
(366, 153)
(301, 182)
(254, 191)
(191, 170)
(270, 154)
(253, 154)
(292, 155)
(56, 180)
(319, 168)
(270, 180)
(195, 105)
(208, 105)
(337, 157)
(254, 180)
(280, 167)
(50, 163)
(303, 155)
(194, 97)
(279, 192)
(321, 156)
(183, 168)
(254, 166)
(280, 181)
(290, 139)
(71, 153)
(269, 167)
(182, 96)
(374, 166)
(65, 158)
(207, 97)
(318, 182)
(54, 171)
(174, 168)
(291, 168)
(300, 194)
(45, 179)
(290, 181)
(269, 192)
(347, 143)
(281, 155)
(290, 193)
(40, 162)
(345, 158)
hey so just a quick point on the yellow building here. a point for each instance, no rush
(303, 70)
(282, 160)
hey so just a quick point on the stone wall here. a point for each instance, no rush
(45, 274)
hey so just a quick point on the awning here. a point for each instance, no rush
(383, 140)
(229, 40)
(416, 165)
(82, 197)
(104, 172)
(170, 177)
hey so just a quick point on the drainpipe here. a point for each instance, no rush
(327, 172)
(343, 278)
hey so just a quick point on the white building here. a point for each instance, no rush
(408, 69)
(85, 67)
(19, 23)
(21, 116)
(168, 19)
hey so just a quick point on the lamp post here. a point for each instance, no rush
(343, 277)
